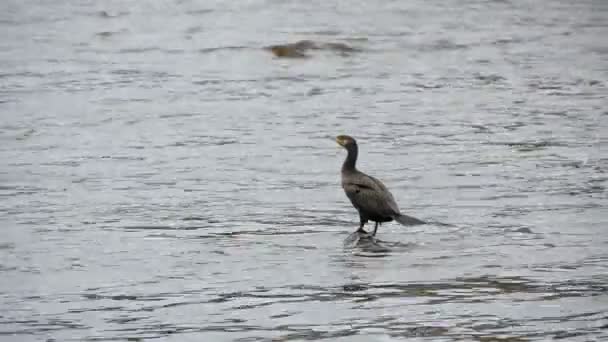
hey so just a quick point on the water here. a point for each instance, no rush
(164, 177)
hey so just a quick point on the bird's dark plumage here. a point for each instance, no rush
(368, 195)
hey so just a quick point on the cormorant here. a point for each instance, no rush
(368, 195)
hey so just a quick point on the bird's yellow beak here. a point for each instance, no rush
(340, 141)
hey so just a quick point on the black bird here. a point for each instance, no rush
(368, 195)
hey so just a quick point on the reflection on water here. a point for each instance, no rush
(165, 177)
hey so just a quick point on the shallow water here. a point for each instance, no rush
(164, 177)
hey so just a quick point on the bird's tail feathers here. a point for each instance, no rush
(408, 220)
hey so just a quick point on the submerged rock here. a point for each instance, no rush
(300, 48)
(364, 241)
(287, 51)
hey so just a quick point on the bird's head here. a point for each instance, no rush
(346, 141)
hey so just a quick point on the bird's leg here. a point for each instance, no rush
(375, 229)
(361, 224)
(361, 230)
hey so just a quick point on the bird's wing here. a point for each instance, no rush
(390, 200)
(370, 195)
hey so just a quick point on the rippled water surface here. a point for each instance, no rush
(163, 176)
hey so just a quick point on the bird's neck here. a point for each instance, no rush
(351, 158)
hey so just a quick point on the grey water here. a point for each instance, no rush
(163, 177)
